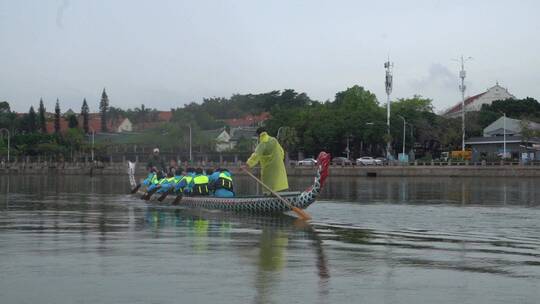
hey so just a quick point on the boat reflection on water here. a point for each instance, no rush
(273, 235)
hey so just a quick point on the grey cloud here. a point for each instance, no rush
(60, 13)
(438, 76)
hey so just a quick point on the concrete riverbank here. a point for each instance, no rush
(457, 170)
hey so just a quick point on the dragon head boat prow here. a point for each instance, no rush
(323, 161)
(309, 196)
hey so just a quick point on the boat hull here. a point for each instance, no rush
(254, 204)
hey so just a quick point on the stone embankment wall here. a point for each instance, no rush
(482, 170)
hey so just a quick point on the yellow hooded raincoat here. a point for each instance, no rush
(270, 154)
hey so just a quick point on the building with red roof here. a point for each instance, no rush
(248, 120)
(474, 103)
(94, 123)
(164, 116)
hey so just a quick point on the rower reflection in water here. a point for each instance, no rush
(268, 254)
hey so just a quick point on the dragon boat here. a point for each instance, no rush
(263, 204)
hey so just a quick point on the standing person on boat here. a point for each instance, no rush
(270, 155)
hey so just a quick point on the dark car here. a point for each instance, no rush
(341, 161)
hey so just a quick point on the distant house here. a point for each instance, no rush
(246, 133)
(493, 141)
(220, 137)
(474, 103)
(248, 120)
(165, 116)
(161, 117)
(68, 113)
(225, 141)
(94, 123)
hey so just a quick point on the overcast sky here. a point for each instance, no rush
(168, 53)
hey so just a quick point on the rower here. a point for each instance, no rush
(200, 183)
(167, 183)
(222, 183)
(270, 155)
(155, 164)
(154, 185)
(186, 182)
(151, 177)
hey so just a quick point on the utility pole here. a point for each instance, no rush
(93, 135)
(347, 150)
(504, 136)
(388, 86)
(190, 150)
(462, 88)
(404, 124)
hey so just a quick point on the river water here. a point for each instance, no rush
(77, 239)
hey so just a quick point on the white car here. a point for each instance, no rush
(307, 162)
(367, 161)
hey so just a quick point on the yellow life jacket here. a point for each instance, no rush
(200, 185)
(154, 179)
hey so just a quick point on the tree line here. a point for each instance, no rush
(354, 119)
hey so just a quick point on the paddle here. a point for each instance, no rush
(301, 213)
(134, 190)
(177, 199)
(149, 194)
(164, 195)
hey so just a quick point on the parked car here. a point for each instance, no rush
(367, 161)
(343, 161)
(382, 160)
(307, 162)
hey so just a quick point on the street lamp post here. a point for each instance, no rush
(93, 135)
(8, 139)
(404, 123)
(348, 151)
(462, 88)
(504, 135)
(190, 152)
(388, 82)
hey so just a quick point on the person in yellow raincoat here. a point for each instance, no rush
(270, 155)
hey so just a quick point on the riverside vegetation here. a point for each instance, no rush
(309, 126)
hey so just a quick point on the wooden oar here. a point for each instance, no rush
(177, 199)
(149, 194)
(164, 195)
(134, 190)
(301, 213)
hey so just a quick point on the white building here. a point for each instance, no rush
(509, 126)
(124, 126)
(474, 103)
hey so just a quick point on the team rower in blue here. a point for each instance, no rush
(222, 183)
(169, 182)
(185, 183)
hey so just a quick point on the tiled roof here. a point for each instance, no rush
(246, 133)
(94, 123)
(164, 115)
(248, 120)
(468, 101)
